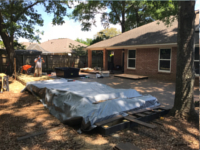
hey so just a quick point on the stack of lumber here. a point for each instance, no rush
(88, 70)
(24, 78)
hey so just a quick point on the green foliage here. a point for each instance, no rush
(20, 17)
(87, 42)
(1, 44)
(166, 11)
(17, 45)
(109, 32)
(78, 50)
(129, 14)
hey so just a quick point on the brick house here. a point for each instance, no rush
(149, 50)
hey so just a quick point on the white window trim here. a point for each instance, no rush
(164, 59)
(132, 59)
(197, 75)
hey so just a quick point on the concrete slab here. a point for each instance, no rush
(164, 91)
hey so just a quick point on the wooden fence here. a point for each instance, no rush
(51, 61)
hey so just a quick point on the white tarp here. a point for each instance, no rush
(87, 102)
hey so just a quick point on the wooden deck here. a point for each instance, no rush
(131, 76)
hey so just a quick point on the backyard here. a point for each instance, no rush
(22, 113)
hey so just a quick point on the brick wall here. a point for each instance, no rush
(147, 64)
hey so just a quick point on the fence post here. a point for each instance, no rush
(1, 62)
(15, 67)
(47, 67)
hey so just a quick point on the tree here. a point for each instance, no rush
(183, 11)
(17, 19)
(184, 103)
(87, 42)
(16, 45)
(129, 14)
(78, 50)
(109, 32)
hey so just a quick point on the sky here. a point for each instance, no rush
(70, 29)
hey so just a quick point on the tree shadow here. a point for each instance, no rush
(25, 114)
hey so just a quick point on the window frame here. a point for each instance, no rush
(165, 71)
(131, 58)
(197, 75)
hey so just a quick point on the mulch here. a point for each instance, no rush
(22, 114)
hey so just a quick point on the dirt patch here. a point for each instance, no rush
(22, 113)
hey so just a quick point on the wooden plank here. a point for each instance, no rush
(38, 133)
(147, 112)
(157, 110)
(130, 76)
(109, 120)
(126, 146)
(140, 115)
(130, 118)
(158, 122)
(141, 110)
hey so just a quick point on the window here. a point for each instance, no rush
(164, 60)
(131, 59)
(196, 60)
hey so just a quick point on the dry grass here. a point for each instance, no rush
(28, 78)
(21, 113)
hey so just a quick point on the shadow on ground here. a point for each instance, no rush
(22, 113)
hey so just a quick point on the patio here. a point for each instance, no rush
(163, 90)
(23, 114)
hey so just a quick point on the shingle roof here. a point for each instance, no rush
(60, 45)
(151, 33)
(27, 44)
(36, 47)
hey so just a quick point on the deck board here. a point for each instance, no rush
(131, 76)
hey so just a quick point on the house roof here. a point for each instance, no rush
(36, 47)
(26, 43)
(151, 33)
(60, 45)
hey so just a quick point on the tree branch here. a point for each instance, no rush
(4, 35)
(117, 16)
(128, 8)
(24, 10)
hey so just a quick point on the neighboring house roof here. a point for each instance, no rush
(60, 45)
(36, 47)
(151, 33)
(26, 43)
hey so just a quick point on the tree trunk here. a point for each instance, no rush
(8, 42)
(123, 17)
(184, 103)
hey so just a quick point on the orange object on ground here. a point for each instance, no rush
(26, 67)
